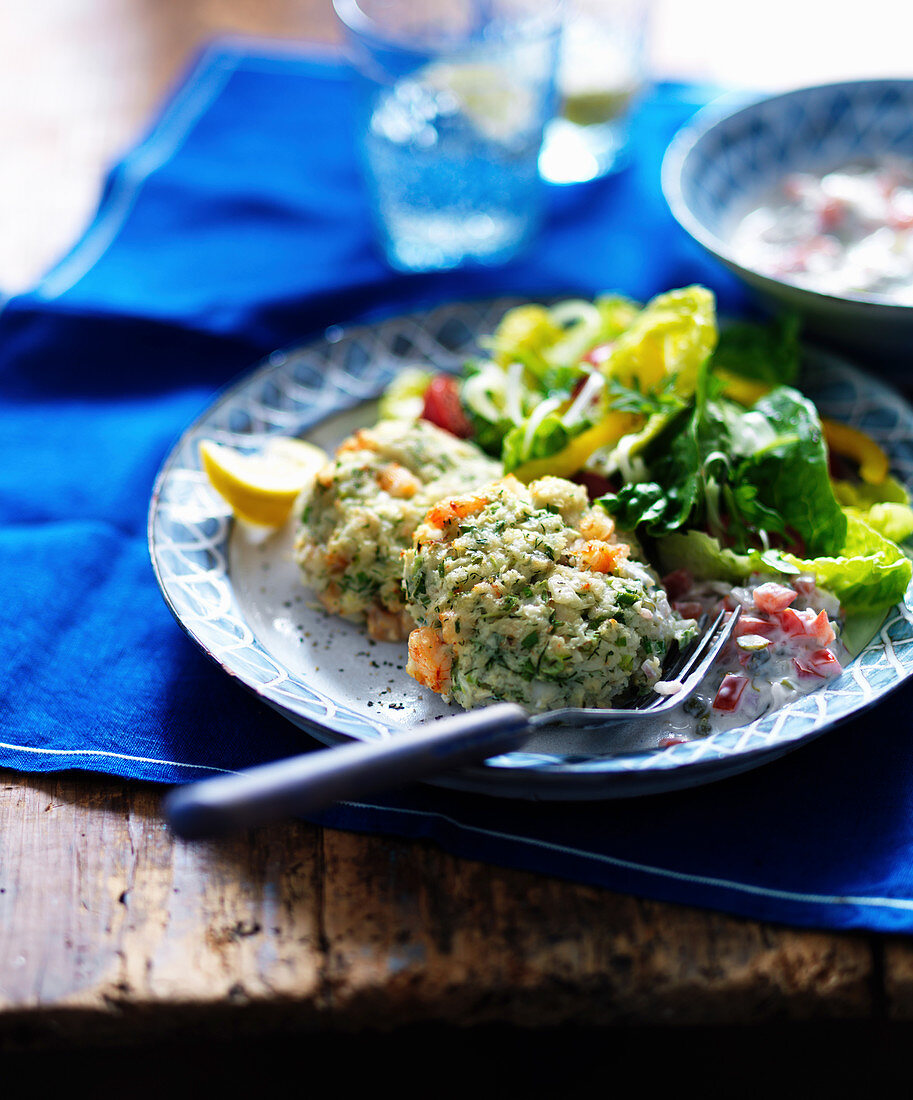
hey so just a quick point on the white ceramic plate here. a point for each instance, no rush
(239, 597)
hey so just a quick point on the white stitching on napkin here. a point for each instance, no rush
(663, 872)
(89, 753)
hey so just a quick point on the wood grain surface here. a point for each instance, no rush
(111, 931)
(108, 924)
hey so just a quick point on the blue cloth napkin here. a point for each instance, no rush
(239, 225)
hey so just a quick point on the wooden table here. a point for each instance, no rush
(280, 944)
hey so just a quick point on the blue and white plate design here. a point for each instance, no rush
(239, 598)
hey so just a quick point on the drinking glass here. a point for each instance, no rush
(453, 99)
(601, 71)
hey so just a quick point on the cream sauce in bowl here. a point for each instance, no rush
(847, 232)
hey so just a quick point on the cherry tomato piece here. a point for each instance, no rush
(443, 407)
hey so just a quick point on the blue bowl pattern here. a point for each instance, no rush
(736, 149)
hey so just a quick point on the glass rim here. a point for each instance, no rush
(544, 17)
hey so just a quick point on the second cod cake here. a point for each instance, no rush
(359, 517)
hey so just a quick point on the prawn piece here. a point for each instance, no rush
(388, 626)
(430, 659)
(599, 556)
(326, 475)
(335, 562)
(450, 627)
(362, 440)
(597, 524)
(331, 597)
(446, 511)
(398, 481)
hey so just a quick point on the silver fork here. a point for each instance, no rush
(312, 782)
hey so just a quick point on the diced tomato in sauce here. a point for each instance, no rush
(821, 664)
(797, 624)
(688, 609)
(730, 692)
(443, 407)
(772, 597)
(831, 213)
(804, 586)
(750, 624)
(791, 622)
(899, 218)
(820, 629)
(677, 584)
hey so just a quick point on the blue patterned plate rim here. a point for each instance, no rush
(294, 391)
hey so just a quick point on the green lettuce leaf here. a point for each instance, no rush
(885, 506)
(736, 473)
(667, 499)
(674, 334)
(550, 436)
(767, 353)
(483, 397)
(870, 574)
(789, 473)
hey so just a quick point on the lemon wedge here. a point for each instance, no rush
(497, 104)
(262, 487)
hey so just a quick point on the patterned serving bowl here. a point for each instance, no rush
(736, 150)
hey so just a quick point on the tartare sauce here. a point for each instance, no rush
(848, 232)
(786, 645)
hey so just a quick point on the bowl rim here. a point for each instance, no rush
(727, 107)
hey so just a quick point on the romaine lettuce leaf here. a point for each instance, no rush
(790, 472)
(617, 314)
(703, 557)
(885, 506)
(551, 341)
(673, 334)
(869, 574)
(766, 353)
(523, 334)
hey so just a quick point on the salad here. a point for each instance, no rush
(697, 439)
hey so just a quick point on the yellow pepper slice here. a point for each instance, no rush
(844, 440)
(609, 430)
(744, 390)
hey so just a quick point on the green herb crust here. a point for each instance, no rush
(529, 596)
(355, 523)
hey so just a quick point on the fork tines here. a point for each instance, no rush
(693, 663)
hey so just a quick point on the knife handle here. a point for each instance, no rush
(312, 782)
